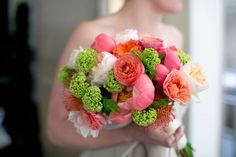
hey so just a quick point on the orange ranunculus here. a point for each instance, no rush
(176, 87)
(127, 69)
(126, 48)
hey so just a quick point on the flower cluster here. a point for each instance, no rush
(128, 78)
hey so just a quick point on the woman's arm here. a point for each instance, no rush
(60, 130)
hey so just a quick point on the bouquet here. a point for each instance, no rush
(129, 78)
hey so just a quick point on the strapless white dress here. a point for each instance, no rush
(136, 149)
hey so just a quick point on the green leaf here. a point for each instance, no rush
(161, 102)
(109, 106)
(151, 73)
(161, 57)
(137, 54)
(187, 151)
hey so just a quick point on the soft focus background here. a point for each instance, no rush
(33, 34)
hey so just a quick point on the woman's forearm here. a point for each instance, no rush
(64, 134)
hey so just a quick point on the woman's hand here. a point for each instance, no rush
(155, 137)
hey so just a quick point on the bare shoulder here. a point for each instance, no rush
(83, 35)
(176, 36)
(86, 31)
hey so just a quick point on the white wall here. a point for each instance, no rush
(206, 47)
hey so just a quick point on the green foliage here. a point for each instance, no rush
(109, 106)
(186, 152)
(161, 102)
(64, 73)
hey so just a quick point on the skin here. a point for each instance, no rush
(62, 132)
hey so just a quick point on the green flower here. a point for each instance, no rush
(64, 73)
(86, 60)
(111, 85)
(145, 117)
(78, 85)
(92, 99)
(150, 59)
(184, 57)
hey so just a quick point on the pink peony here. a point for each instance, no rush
(143, 93)
(103, 42)
(124, 114)
(151, 42)
(121, 117)
(172, 60)
(162, 72)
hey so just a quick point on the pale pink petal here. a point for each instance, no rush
(87, 123)
(151, 42)
(121, 117)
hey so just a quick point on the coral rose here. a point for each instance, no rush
(176, 87)
(127, 69)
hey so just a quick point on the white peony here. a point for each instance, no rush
(126, 35)
(72, 59)
(99, 73)
(81, 124)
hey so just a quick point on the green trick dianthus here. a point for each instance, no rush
(145, 117)
(78, 85)
(64, 73)
(86, 60)
(111, 85)
(150, 58)
(92, 99)
(184, 57)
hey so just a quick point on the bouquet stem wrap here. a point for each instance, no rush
(183, 147)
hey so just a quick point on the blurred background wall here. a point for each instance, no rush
(49, 24)
(56, 21)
